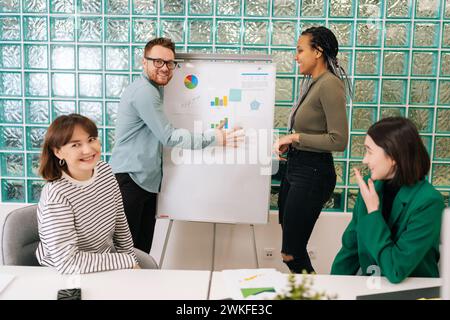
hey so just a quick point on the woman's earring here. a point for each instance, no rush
(62, 162)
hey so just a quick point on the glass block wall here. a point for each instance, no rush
(63, 56)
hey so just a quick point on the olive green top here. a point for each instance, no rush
(321, 118)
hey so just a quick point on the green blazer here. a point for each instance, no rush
(406, 246)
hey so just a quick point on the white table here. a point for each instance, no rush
(32, 283)
(346, 287)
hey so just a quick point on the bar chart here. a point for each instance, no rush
(219, 102)
(215, 125)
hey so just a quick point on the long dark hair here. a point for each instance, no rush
(399, 139)
(58, 134)
(324, 40)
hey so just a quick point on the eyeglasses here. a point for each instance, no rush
(159, 63)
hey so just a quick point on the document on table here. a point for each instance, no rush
(254, 284)
(5, 279)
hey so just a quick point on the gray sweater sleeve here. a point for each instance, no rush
(149, 106)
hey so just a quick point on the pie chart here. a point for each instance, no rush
(190, 81)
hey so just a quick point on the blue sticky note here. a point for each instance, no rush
(235, 95)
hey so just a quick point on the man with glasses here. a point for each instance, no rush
(142, 129)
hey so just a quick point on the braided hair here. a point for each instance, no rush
(324, 40)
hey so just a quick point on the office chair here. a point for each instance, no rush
(19, 239)
(145, 260)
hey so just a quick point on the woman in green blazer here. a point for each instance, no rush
(396, 223)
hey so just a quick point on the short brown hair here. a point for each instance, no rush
(58, 134)
(163, 42)
(400, 140)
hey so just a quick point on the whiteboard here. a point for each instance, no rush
(230, 185)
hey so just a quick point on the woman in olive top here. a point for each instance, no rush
(396, 223)
(318, 126)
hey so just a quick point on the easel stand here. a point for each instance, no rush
(169, 230)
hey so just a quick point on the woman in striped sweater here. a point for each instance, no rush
(82, 225)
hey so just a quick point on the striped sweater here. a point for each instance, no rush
(82, 225)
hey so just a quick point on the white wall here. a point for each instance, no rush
(190, 243)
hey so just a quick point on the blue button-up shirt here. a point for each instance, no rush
(142, 130)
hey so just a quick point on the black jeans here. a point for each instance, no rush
(308, 184)
(140, 210)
